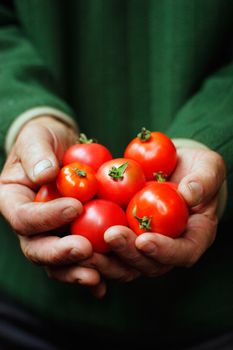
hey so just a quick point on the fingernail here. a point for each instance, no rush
(196, 191)
(41, 166)
(117, 243)
(70, 213)
(149, 247)
(75, 253)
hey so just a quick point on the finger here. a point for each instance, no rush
(13, 173)
(53, 251)
(74, 275)
(122, 241)
(36, 150)
(28, 218)
(111, 268)
(99, 290)
(183, 251)
(204, 180)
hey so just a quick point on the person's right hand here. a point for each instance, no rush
(34, 160)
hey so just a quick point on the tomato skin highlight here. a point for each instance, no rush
(163, 206)
(47, 193)
(97, 216)
(156, 155)
(71, 181)
(92, 154)
(120, 190)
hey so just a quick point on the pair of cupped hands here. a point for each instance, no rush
(35, 159)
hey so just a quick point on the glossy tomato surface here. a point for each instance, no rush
(92, 154)
(47, 193)
(77, 180)
(158, 208)
(97, 216)
(119, 179)
(157, 154)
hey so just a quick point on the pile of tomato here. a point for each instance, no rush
(132, 191)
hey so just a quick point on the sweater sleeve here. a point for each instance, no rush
(25, 81)
(208, 118)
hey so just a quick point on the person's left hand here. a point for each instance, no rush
(200, 174)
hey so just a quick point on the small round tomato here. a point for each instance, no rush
(97, 216)
(169, 183)
(87, 152)
(77, 180)
(154, 151)
(158, 208)
(119, 179)
(47, 193)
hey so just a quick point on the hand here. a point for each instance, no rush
(200, 174)
(34, 160)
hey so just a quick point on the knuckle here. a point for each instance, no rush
(27, 221)
(20, 222)
(30, 254)
(55, 258)
(17, 225)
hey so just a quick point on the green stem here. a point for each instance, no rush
(83, 139)
(144, 222)
(160, 176)
(118, 173)
(144, 135)
(80, 173)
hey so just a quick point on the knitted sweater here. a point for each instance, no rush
(115, 66)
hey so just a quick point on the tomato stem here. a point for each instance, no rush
(80, 173)
(160, 176)
(144, 135)
(144, 222)
(83, 139)
(118, 173)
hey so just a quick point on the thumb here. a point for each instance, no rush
(204, 180)
(36, 151)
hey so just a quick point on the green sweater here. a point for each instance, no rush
(114, 66)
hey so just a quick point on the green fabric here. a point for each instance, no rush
(120, 65)
(26, 82)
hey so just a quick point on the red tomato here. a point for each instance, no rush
(92, 154)
(169, 183)
(119, 179)
(47, 193)
(78, 181)
(97, 216)
(158, 208)
(154, 151)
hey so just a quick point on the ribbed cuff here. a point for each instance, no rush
(23, 118)
(181, 143)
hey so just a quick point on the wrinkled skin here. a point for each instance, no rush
(71, 259)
